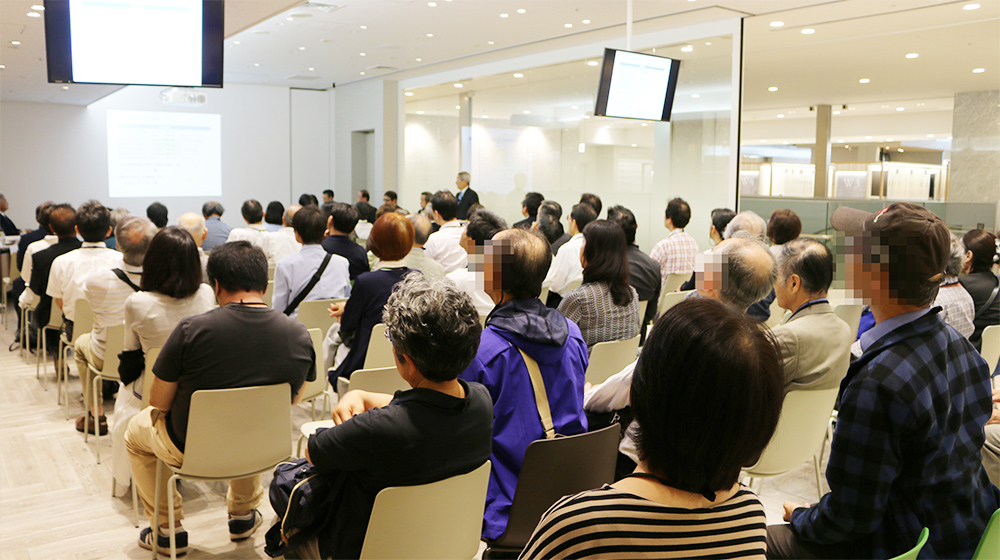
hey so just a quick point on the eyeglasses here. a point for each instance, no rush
(387, 335)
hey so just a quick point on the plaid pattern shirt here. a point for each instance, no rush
(675, 253)
(957, 307)
(906, 451)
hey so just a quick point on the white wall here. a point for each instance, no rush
(367, 106)
(310, 142)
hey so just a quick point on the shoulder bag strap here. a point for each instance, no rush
(312, 284)
(541, 398)
(989, 302)
(124, 278)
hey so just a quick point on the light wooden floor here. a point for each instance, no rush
(55, 500)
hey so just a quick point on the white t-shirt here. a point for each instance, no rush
(71, 270)
(565, 267)
(150, 317)
(444, 247)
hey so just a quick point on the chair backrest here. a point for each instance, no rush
(269, 294)
(377, 380)
(313, 389)
(313, 314)
(991, 346)
(447, 526)
(913, 552)
(777, 314)
(379, 354)
(850, 314)
(55, 317)
(84, 321)
(643, 305)
(608, 358)
(114, 344)
(236, 432)
(802, 426)
(270, 272)
(572, 285)
(554, 468)
(147, 375)
(544, 295)
(671, 299)
(674, 282)
(14, 270)
(989, 544)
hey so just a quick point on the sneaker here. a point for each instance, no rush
(163, 542)
(242, 526)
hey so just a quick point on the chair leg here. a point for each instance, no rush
(155, 525)
(135, 499)
(170, 516)
(97, 391)
(819, 479)
(38, 354)
(298, 453)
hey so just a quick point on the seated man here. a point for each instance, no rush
(294, 273)
(442, 245)
(440, 428)
(480, 229)
(906, 452)
(416, 258)
(282, 243)
(342, 221)
(218, 231)
(62, 222)
(676, 251)
(194, 224)
(515, 265)
(255, 232)
(242, 343)
(815, 344)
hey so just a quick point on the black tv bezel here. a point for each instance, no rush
(604, 88)
(59, 53)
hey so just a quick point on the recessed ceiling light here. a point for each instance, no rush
(567, 25)
(526, 112)
(289, 19)
(930, 136)
(772, 88)
(503, 15)
(900, 108)
(634, 145)
(458, 85)
(34, 14)
(311, 69)
(763, 140)
(3, 67)
(687, 48)
(484, 117)
(458, 106)
(808, 31)
(574, 107)
(256, 64)
(900, 150)
(302, 48)
(65, 88)
(888, 139)
(777, 24)
(420, 112)
(695, 95)
(432, 4)
(38, 7)
(420, 60)
(912, 55)
(15, 43)
(430, 34)
(836, 112)
(978, 70)
(868, 137)
(864, 80)
(408, 94)
(362, 73)
(519, 75)
(781, 116)
(968, 7)
(521, 11)
(585, 22)
(592, 63)
(236, 42)
(708, 43)
(364, 27)
(489, 42)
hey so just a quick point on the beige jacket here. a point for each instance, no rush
(815, 348)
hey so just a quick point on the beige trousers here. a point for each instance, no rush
(991, 453)
(147, 441)
(84, 354)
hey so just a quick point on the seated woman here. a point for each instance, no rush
(440, 428)
(981, 252)
(391, 239)
(706, 394)
(171, 290)
(605, 307)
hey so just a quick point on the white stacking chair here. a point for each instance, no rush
(850, 314)
(269, 294)
(379, 353)
(313, 390)
(270, 272)
(673, 283)
(544, 295)
(314, 315)
(643, 306)
(991, 349)
(448, 526)
(232, 433)
(573, 284)
(608, 358)
(5, 285)
(671, 299)
(114, 344)
(777, 314)
(82, 324)
(42, 358)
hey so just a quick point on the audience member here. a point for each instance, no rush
(116, 214)
(390, 197)
(106, 291)
(912, 409)
(784, 226)
(982, 251)
(439, 428)
(605, 306)
(684, 499)
(369, 214)
(643, 271)
(416, 259)
(957, 306)
(480, 229)
(529, 209)
(157, 213)
(520, 329)
(566, 267)
(172, 289)
(390, 241)
(593, 200)
(342, 221)
(815, 344)
(327, 196)
(283, 243)
(549, 224)
(443, 245)
(307, 199)
(218, 231)
(273, 216)
(720, 219)
(20, 283)
(748, 222)
(676, 251)
(293, 277)
(62, 222)
(255, 233)
(466, 196)
(6, 224)
(243, 343)
(194, 224)
(425, 199)
(991, 448)
(384, 209)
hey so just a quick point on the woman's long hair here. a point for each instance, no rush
(606, 256)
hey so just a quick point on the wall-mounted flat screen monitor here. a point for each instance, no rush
(636, 86)
(135, 42)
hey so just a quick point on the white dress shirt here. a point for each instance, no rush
(444, 247)
(294, 272)
(69, 272)
(281, 244)
(565, 267)
(256, 234)
(40, 245)
(470, 284)
(106, 294)
(615, 394)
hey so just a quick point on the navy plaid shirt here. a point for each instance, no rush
(906, 451)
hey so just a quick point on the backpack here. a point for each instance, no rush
(303, 500)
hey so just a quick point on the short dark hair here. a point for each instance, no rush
(93, 220)
(171, 266)
(593, 200)
(435, 324)
(524, 258)
(212, 208)
(42, 214)
(721, 218)
(237, 266)
(364, 194)
(811, 260)
(391, 237)
(985, 252)
(483, 226)
(157, 213)
(252, 211)
(275, 210)
(307, 199)
(62, 220)
(532, 201)
(445, 203)
(626, 220)
(607, 259)
(328, 192)
(783, 226)
(364, 210)
(309, 223)
(679, 212)
(427, 195)
(345, 217)
(582, 214)
(702, 347)
(392, 195)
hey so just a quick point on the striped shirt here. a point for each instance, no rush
(609, 523)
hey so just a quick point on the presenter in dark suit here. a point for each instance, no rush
(466, 196)
(7, 224)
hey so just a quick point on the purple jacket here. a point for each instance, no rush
(556, 344)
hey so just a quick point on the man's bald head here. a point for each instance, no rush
(519, 260)
(739, 272)
(194, 224)
(132, 236)
(747, 222)
(286, 218)
(421, 229)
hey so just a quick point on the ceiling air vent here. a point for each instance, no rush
(322, 6)
(302, 77)
(381, 68)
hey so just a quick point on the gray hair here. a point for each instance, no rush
(435, 324)
(954, 266)
(212, 207)
(421, 228)
(289, 214)
(747, 221)
(117, 214)
(748, 278)
(192, 223)
(132, 236)
(810, 260)
(464, 175)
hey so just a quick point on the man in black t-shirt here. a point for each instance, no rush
(242, 343)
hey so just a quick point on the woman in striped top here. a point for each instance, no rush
(706, 394)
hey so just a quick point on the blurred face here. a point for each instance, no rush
(327, 198)
(423, 201)
(863, 278)
(386, 200)
(3, 204)
(461, 184)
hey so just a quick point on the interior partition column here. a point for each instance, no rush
(821, 152)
